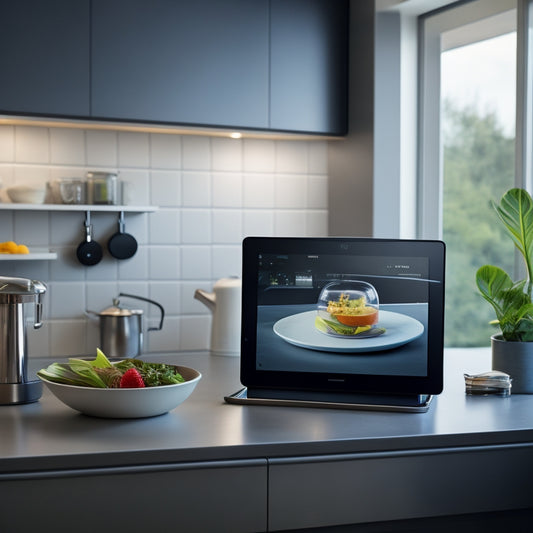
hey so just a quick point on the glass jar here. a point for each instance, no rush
(102, 188)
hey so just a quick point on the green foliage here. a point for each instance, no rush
(478, 166)
(512, 301)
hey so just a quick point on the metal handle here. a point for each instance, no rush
(151, 302)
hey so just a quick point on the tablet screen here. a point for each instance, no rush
(343, 314)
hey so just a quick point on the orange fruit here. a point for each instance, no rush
(364, 319)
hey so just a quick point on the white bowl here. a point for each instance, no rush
(126, 403)
(26, 194)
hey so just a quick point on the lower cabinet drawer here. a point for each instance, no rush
(359, 488)
(214, 496)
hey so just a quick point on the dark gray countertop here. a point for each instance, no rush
(49, 435)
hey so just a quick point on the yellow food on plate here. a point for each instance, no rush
(11, 247)
(353, 312)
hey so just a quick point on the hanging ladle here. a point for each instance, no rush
(122, 245)
(89, 252)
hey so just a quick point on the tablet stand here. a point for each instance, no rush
(416, 403)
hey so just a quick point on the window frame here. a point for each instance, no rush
(429, 149)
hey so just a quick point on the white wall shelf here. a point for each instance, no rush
(78, 207)
(37, 255)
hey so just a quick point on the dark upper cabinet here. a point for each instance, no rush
(257, 64)
(203, 62)
(44, 57)
(309, 65)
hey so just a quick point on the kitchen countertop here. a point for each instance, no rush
(49, 435)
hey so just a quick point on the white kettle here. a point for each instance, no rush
(225, 303)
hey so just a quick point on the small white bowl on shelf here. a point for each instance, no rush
(26, 194)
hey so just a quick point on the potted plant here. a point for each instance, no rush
(512, 349)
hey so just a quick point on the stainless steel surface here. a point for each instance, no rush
(14, 293)
(47, 434)
(16, 393)
(13, 344)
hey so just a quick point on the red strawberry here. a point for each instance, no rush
(131, 379)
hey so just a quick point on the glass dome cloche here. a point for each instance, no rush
(347, 308)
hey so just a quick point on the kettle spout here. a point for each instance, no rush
(207, 298)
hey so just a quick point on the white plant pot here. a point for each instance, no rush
(515, 359)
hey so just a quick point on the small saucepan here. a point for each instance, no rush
(89, 252)
(122, 245)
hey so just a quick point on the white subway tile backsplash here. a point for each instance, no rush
(106, 269)
(167, 339)
(138, 186)
(227, 261)
(227, 189)
(317, 223)
(165, 227)
(259, 155)
(196, 189)
(211, 192)
(166, 188)
(67, 299)
(133, 149)
(196, 226)
(258, 223)
(194, 333)
(289, 223)
(164, 262)
(317, 192)
(6, 226)
(258, 190)
(66, 267)
(7, 178)
(168, 295)
(196, 152)
(291, 191)
(31, 174)
(318, 157)
(102, 148)
(227, 226)
(188, 304)
(226, 154)
(7, 144)
(291, 156)
(136, 267)
(68, 338)
(99, 296)
(67, 146)
(31, 228)
(195, 262)
(32, 145)
(165, 151)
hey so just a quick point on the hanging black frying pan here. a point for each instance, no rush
(89, 252)
(122, 245)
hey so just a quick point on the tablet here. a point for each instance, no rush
(331, 319)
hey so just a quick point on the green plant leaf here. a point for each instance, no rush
(492, 283)
(516, 213)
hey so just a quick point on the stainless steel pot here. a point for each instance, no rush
(14, 384)
(121, 329)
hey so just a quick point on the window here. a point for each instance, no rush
(468, 153)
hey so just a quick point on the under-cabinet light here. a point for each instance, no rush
(160, 128)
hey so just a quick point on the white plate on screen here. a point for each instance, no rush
(300, 330)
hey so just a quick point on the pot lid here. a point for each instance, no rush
(120, 311)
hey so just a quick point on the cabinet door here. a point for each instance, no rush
(203, 62)
(44, 57)
(309, 65)
(222, 496)
(364, 488)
